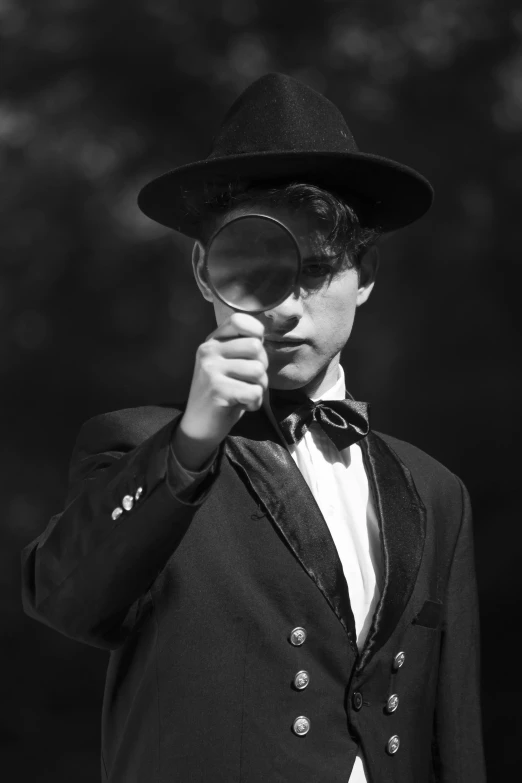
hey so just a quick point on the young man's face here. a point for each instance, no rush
(305, 334)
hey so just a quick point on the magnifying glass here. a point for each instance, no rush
(253, 263)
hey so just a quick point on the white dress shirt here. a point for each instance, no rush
(338, 482)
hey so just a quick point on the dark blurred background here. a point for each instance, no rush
(99, 310)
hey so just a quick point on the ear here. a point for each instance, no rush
(367, 274)
(198, 265)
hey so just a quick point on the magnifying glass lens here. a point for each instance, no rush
(253, 263)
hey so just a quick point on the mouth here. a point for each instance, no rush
(280, 343)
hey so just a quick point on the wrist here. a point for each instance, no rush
(191, 451)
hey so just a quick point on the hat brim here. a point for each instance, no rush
(390, 194)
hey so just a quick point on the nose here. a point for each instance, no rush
(290, 309)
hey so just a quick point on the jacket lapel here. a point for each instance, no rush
(268, 470)
(402, 519)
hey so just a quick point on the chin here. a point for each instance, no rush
(291, 377)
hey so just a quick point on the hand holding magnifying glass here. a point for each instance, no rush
(252, 264)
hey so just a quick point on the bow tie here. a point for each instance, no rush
(344, 421)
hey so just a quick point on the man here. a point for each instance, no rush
(286, 595)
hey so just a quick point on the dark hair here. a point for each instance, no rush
(346, 239)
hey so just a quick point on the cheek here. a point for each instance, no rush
(333, 314)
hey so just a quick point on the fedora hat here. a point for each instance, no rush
(279, 131)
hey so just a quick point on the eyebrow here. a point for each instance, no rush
(319, 256)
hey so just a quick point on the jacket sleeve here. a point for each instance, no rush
(457, 747)
(88, 574)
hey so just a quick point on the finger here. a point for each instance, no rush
(236, 392)
(238, 325)
(244, 348)
(247, 370)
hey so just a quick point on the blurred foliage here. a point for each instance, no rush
(99, 310)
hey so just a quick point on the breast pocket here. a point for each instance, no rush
(430, 616)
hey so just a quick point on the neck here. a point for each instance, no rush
(324, 380)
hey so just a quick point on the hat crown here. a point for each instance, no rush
(279, 131)
(277, 114)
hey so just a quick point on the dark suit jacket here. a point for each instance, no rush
(196, 600)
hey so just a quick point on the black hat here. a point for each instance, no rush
(279, 131)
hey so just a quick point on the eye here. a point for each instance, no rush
(317, 270)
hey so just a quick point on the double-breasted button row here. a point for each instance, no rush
(393, 744)
(301, 724)
(127, 503)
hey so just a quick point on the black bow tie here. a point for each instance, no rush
(344, 421)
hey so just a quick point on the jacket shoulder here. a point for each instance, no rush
(431, 477)
(412, 455)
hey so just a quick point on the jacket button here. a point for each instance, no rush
(357, 700)
(116, 514)
(127, 502)
(399, 660)
(301, 680)
(392, 703)
(301, 726)
(393, 744)
(298, 636)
